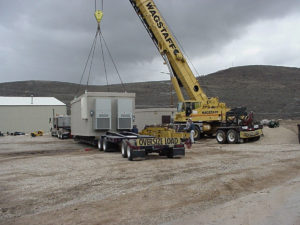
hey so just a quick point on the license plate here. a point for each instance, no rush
(157, 141)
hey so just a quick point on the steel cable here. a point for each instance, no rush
(87, 61)
(103, 59)
(110, 55)
(87, 83)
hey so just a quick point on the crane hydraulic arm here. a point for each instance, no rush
(198, 107)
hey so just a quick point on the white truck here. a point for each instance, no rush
(61, 127)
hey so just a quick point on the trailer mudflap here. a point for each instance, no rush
(178, 151)
(251, 134)
(138, 153)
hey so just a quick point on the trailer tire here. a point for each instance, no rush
(170, 153)
(129, 153)
(124, 149)
(221, 137)
(100, 144)
(105, 144)
(232, 137)
(255, 138)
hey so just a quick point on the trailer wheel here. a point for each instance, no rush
(129, 153)
(232, 137)
(105, 144)
(170, 153)
(124, 149)
(221, 137)
(100, 144)
(255, 138)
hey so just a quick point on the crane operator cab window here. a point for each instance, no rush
(187, 107)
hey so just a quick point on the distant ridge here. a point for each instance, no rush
(269, 91)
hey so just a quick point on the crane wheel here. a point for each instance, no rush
(221, 137)
(197, 135)
(232, 137)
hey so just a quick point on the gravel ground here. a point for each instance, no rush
(44, 180)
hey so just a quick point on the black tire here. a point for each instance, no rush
(124, 149)
(198, 134)
(129, 153)
(255, 138)
(100, 144)
(170, 153)
(221, 137)
(232, 137)
(105, 144)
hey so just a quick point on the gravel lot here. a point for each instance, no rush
(44, 180)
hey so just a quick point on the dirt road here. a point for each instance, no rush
(44, 180)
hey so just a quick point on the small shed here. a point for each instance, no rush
(27, 114)
(154, 116)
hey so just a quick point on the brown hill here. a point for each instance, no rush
(270, 91)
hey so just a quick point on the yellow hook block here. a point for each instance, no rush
(98, 15)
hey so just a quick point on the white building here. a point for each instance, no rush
(28, 114)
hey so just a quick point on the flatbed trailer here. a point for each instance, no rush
(238, 134)
(239, 127)
(133, 146)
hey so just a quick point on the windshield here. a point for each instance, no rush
(179, 107)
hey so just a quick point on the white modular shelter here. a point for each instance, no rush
(95, 113)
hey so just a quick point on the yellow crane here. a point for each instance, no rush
(208, 113)
(205, 112)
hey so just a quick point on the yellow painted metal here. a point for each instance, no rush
(163, 132)
(177, 89)
(158, 141)
(209, 109)
(98, 15)
(251, 134)
(37, 133)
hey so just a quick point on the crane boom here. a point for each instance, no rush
(167, 46)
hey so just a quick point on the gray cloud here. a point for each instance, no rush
(50, 39)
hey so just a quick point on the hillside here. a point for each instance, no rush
(270, 91)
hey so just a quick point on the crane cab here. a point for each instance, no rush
(198, 112)
(188, 107)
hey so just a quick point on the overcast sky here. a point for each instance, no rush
(51, 39)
